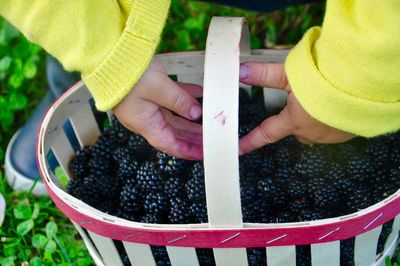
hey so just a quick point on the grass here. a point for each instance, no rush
(35, 232)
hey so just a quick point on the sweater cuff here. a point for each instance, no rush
(126, 63)
(331, 105)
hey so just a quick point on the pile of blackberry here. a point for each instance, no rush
(283, 182)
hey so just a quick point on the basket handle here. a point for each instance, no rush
(227, 38)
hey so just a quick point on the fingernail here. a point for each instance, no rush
(195, 112)
(244, 71)
(240, 152)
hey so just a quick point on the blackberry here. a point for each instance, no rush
(79, 166)
(256, 256)
(99, 166)
(297, 188)
(174, 187)
(121, 153)
(139, 146)
(308, 215)
(267, 188)
(102, 148)
(149, 178)
(360, 167)
(394, 177)
(380, 191)
(151, 219)
(299, 205)
(395, 156)
(303, 255)
(128, 167)
(122, 253)
(107, 206)
(104, 185)
(90, 193)
(244, 97)
(119, 135)
(360, 199)
(251, 212)
(286, 217)
(345, 186)
(315, 184)
(347, 252)
(386, 230)
(267, 168)
(378, 151)
(160, 255)
(205, 256)
(75, 187)
(310, 164)
(326, 197)
(156, 203)
(199, 212)
(283, 156)
(172, 165)
(131, 198)
(197, 170)
(179, 212)
(195, 189)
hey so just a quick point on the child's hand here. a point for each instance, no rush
(159, 109)
(292, 120)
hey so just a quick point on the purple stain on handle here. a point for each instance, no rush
(244, 71)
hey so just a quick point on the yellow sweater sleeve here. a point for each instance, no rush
(109, 42)
(347, 73)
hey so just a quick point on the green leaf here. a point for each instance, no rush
(39, 241)
(35, 261)
(51, 229)
(16, 80)
(17, 101)
(36, 210)
(30, 70)
(23, 211)
(61, 176)
(9, 261)
(24, 227)
(6, 118)
(51, 246)
(5, 63)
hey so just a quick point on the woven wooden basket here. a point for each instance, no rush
(227, 45)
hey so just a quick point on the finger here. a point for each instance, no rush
(304, 140)
(271, 130)
(162, 136)
(171, 96)
(270, 75)
(193, 89)
(182, 123)
(189, 137)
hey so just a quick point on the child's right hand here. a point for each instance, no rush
(160, 110)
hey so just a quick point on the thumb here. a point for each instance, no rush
(269, 131)
(270, 75)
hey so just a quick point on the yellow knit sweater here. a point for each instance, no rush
(345, 74)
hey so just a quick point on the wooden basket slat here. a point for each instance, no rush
(395, 231)
(63, 151)
(325, 254)
(181, 256)
(281, 256)
(230, 256)
(89, 245)
(191, 78)
(107, 249)
(85, 126)
(139, 254)
(59, 112)
(193, 62)
(365, 247)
